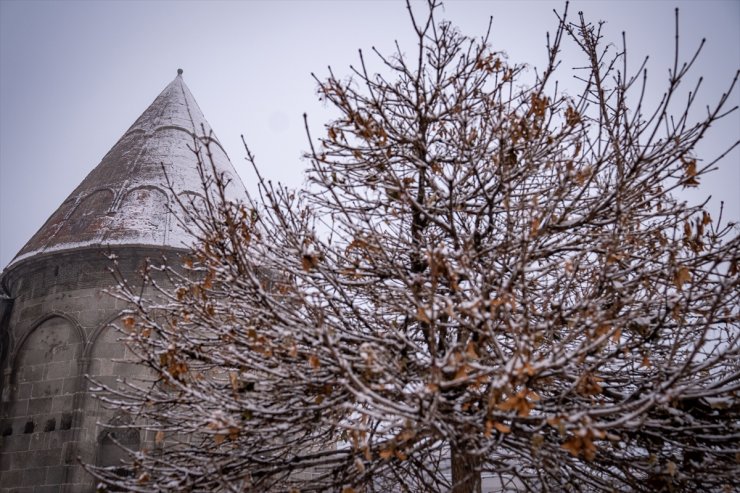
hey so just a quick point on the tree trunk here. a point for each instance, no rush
(465, 472)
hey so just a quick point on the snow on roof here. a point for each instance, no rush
(126, 200)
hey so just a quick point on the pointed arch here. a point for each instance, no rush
(45, 381)
(35, 324)
(142, 212)
(86, 220)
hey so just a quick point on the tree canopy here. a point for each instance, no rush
(485, 280)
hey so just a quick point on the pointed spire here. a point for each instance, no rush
(125, 199)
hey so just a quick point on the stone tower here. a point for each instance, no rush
(54, 315)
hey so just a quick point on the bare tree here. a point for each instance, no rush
(483, 279)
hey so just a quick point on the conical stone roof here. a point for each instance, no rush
(126, 199)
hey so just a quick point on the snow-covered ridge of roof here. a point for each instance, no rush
(126, 199)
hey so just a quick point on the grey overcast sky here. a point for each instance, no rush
(74, 75)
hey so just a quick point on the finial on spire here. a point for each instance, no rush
(179, 71)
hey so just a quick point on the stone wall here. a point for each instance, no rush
(56, 332)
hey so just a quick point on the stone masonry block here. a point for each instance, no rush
(38, 441)
(47, 458)
(107, 350)
(81, 480)
(16, 443)
(41, 405)
(56, 439)
(20, 460)
(24, 391)
(25, 489)
(10, 479)
(47, 389)
(31, 373)
(61, 369)
(19, 407)
(67, 352)
(55, 475)
(4, 462)
(60, 403)
(34, 476)
(94, 366)
(68, 453)
(35, 356)
(48, 489)
(70, 385)
(101, 367)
